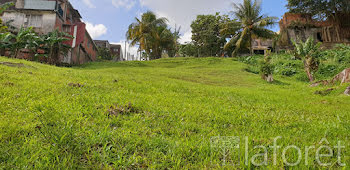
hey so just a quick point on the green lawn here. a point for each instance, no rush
(176, 107)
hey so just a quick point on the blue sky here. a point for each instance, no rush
(109, 19)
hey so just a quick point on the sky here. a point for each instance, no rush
(109, 19)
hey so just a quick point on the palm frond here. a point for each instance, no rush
(262, 33)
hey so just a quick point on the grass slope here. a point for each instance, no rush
(182, 103)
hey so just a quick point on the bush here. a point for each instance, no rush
(288, 67)
(340, 54)
(327, 70)
(266, 68)
(104, 54)
(251, 60)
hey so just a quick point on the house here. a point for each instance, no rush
(330, 31)
(47, 15)
(103, 44)
(115, 49)
(261, 45)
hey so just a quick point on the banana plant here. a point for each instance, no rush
(53, 44)
(5, 42)
(25, 38)
(308, 51)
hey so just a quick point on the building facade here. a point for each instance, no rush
(115, 49)
(48, 15)
(330, 31)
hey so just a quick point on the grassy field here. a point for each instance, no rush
(163, 114)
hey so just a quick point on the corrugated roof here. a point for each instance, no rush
(39, 4)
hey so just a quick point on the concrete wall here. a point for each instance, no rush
(19, 18)
(303, 34)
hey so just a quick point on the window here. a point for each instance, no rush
(34, 21)
(67, 28)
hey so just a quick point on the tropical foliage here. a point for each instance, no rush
(309, 52)
(321, 9)
(26, 38)
(52, 44)
(152, 35)
(189, 50)
(5, 42)
(104, 54)
(206, 35)
(266, 68)
(249, 23)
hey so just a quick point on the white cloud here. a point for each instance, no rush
(186, 37)
(89, 3)
(96, 30)
(128, 4)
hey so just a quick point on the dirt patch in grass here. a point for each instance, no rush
(9, 84)
(78, 85)
(324, 92)
(116, 110)
(19, 65)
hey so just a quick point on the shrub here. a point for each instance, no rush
(266, 68)
(287, 67)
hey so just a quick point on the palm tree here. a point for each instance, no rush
(249, 24)
(165, 40)
(145, 33)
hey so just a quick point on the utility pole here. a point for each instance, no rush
(125, 51)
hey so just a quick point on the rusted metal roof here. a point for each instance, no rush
(39, 4)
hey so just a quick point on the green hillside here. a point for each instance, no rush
(160, 114)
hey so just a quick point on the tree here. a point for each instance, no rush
(206, 34)
(53, 44)
(151, 34)
(173, 47)
(320, 9)
(188, 50)
(250, 24)
(104, 53)
(308, 52)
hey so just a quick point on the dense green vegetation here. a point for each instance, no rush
(329, 63)
(162, 113)
(206, 36)
(45, 48)
(320, 9)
